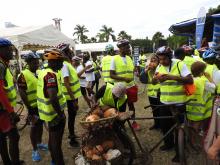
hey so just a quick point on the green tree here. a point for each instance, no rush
(80, 31)
(123, 35)
(93, 40)
(107, 32)
(214, 10)
(157, 37)
(175, 41)
(101, 37)
(145, 44)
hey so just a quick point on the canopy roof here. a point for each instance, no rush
(94, 47)
(188, 28)
(35, 35)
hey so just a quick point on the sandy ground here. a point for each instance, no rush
(147, 138)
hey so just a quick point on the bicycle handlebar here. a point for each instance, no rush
(168, 105)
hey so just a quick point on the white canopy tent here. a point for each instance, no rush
(35, 35)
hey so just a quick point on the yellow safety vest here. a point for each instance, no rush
(107, 99)
(201, 108)
(152, 90)
(9, 86)
(142, 61)
(124, 70)
(189, 61)
(31, 81)
(170, 90)
(210, 69)
(106, 63)
(45, 108)
(74, 83)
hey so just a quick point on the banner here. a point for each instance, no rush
(136, 55)
(200, 23)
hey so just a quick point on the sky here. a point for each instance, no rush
(139, 18)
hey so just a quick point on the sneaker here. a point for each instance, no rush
(43, 147)
(135, 126)
(176, 159)
(166, 147)
(74, 143)
(36, 156)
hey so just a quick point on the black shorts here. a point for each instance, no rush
(56, 124)
(83, 91)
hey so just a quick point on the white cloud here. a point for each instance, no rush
(140, 18)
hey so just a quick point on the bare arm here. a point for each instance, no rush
(68, 87)
(24, 97)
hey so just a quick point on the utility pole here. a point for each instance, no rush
(57, 23)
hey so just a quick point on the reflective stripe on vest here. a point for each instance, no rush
(201, 108)
(124, 70)
(107, 98)
(45, 108)
(31, 81)
(74, 83)
(170, 90)
(152, 90)
(106, 63)
(10, 88)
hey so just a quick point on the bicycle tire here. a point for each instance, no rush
(181, 146)
(129, 145)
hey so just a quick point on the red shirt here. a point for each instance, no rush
(50, 81)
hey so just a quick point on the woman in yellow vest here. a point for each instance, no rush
(112, 96)
(152, 90)
(51, 103)
(172, 74)
(199, 111)
(71, 90)
(27, 85)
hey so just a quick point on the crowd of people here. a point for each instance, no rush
(49, 88)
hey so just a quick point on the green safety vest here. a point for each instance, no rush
(189, 61)
(107, 99)
(201, 108)
(74, 83)
(106, 63)
(124, 70)
(170, 90)
(210, 69)
(45, 108)
(10, 86)
(142, 59)
(31, 81)
(152, 90)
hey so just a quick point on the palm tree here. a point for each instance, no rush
(157, 37)
(123, 35)
(93, 40)
(79, 31)
(107, 32)
(101, 37)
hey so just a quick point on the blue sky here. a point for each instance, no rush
(139, 18)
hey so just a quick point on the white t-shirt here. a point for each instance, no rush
(112, 66)
(83, 82)
(65, 71)
(90, 76)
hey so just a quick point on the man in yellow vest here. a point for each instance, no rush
(27, 85)
(122, 70)
(172, 74)
(51, 103)
(71, 90)
(106, 62)
(142, 60)
(96, 72)
(8, 118)
(112, 96)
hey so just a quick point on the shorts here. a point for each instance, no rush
(56, 124)
(83, 91)
(5, 122)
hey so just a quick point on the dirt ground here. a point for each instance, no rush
(147, 138)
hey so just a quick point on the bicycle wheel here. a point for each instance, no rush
(181, 146)
(19, 110)
(128, 153)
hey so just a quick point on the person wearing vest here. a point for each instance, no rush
(106, 62)
(8, 118)
(27, 86)
(199, 111)
(71, 90)
(153, 90)
(142, 60)
(51, 103)
(172, 74)
(112, 96)
(96, 72)
(122, 70)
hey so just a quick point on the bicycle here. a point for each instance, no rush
(184, 131)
